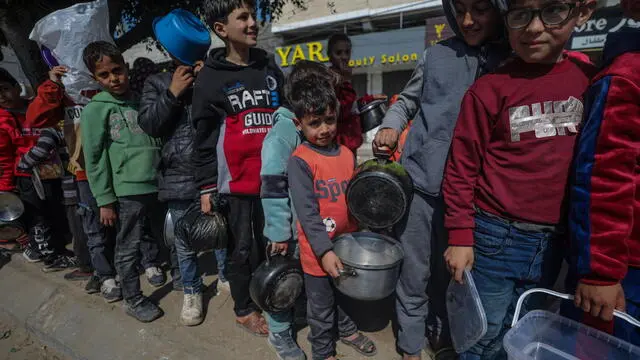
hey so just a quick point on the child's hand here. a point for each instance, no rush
(197, 67)
(108, 215)
(57, 72)
(205, 203)
(331, 264)
(600, 301)
(181, 81)
(458, 259)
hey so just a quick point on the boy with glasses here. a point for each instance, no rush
(506, 178)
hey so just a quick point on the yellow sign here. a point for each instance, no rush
(314, 51)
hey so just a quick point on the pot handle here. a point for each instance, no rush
(346, 272)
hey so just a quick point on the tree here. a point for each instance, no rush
(17, 18)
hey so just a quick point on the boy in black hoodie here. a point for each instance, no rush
(234, 97)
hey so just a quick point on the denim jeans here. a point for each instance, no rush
(221, 261)
(139, 228)
(187, 257)
(100, 239)
(508, 262)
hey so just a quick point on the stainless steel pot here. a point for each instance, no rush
(11, 208)
(371, 265)
(169, 233)
(371, 114)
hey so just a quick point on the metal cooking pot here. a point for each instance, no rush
(277, 283)
(371, 114)
(371, 265)
(169, 233)
(379, 193)
(11, 208)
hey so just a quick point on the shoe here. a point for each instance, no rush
(192, 310)
(52, 257)
(32, 255)
(223, 285)
(143, 310)
(110, 290)
(285, 347)
(155, 276)
(78, 275)
(61, 263)
(93, 285)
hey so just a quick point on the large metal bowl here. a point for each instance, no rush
(371, 265)
(371, 114)
(11, 207)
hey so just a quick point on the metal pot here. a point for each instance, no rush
(276, 283)
(371, 265)
(11, 208)
(379, 193)
(371, 114)
(169, 233)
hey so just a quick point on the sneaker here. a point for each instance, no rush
(143, 310)
(62, 262)
(110, 290)
(93, 285)
(32, 255)
(285, 347)
(155, 276)
(192, 310)
(78, 275)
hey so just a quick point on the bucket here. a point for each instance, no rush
(183, 35)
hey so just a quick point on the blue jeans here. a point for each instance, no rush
(187, 257)
(508, 262)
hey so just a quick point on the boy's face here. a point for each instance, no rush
(9, 95)
(112, 76)
(631, 9)
(539, 29)
(340, 55)
(478, 20)
(319, 130)
(241, 27)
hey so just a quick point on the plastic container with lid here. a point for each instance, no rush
(542, 335)
(467, 319)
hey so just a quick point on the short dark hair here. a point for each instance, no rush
(96, 50)
(312, 94)
(336, 38)
(5, 76)
(308, 69)
(219, 10)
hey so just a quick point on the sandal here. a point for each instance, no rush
(253, 324)
(362, 344)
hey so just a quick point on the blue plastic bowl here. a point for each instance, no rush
(183, 35)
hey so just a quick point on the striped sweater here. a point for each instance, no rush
(49, 151)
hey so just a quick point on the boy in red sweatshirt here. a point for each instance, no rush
(506, 177)
(22, 123)
(604, 220)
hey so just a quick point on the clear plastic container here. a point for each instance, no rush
(467, 319)
(542, 335)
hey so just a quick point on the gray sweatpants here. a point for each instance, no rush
(420, 302)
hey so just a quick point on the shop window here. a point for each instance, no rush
(393, 82)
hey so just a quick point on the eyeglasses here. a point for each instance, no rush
(551, 15)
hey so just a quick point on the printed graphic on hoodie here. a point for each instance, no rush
(254, 107)
(551, 118)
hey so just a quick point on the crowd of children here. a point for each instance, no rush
(514, 168)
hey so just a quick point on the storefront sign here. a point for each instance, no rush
(593, 34)
(385, 48)
(437, 29)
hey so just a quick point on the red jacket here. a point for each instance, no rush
(513, 145)
(604, 218)
(19, 132)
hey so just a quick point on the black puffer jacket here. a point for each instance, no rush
(163, 116)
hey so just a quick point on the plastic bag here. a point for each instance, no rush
(66, 33)
(201, 231)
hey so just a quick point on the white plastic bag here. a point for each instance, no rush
(66, 33)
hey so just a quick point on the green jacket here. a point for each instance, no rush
(120, 159)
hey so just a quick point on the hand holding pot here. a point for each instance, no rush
(458, 259)
(331, 264)
(279, 248)
(385, 138)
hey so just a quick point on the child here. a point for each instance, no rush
(234, 98)
(23, 122)
(320, 159)
(432, 97)
(279, 218)
(165, 112)
(121, 164)
(506, 177)
(604, 220)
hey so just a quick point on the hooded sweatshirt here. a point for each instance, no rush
(120, 159)
(232, 112)
(432, 98)
(283, 139)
